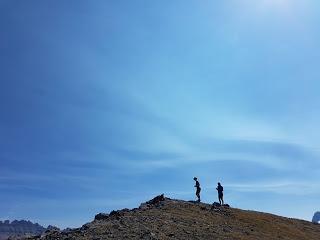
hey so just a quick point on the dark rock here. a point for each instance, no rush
(119, 212)
(144, 206)
(215, 205)
(52, 228)
(85, 226)
(156, 200)
(101, 216)
(113, 214)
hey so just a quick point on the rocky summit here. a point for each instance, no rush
(164, 218)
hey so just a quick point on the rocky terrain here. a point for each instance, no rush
(164, 218)
(19, 228)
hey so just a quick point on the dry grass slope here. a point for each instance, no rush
(176, 219)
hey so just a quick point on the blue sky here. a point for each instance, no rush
(105, 104)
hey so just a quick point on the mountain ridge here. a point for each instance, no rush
(165, 218)
(19, 228)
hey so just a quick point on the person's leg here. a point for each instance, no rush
(219, 199)
(198, 195)
(222, 199)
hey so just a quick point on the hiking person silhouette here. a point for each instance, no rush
(220, 193)
(198, 188)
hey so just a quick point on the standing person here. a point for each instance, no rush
(197, 186)
(220, 193)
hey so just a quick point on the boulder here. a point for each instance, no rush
(156, 200)
(215, 205)
(101, 216)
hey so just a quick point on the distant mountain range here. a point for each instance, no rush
(19, 228)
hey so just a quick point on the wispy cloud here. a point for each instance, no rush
(295, 187)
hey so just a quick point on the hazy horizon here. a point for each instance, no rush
(105, 104)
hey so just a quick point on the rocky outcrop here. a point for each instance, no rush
(155, 202)
(113, 214)
(164, 218)
(218, 205)
(101, 216)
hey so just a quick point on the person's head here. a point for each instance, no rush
(195, 178)
(219, 184)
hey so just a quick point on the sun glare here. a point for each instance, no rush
(284, 8)
(277, 3)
